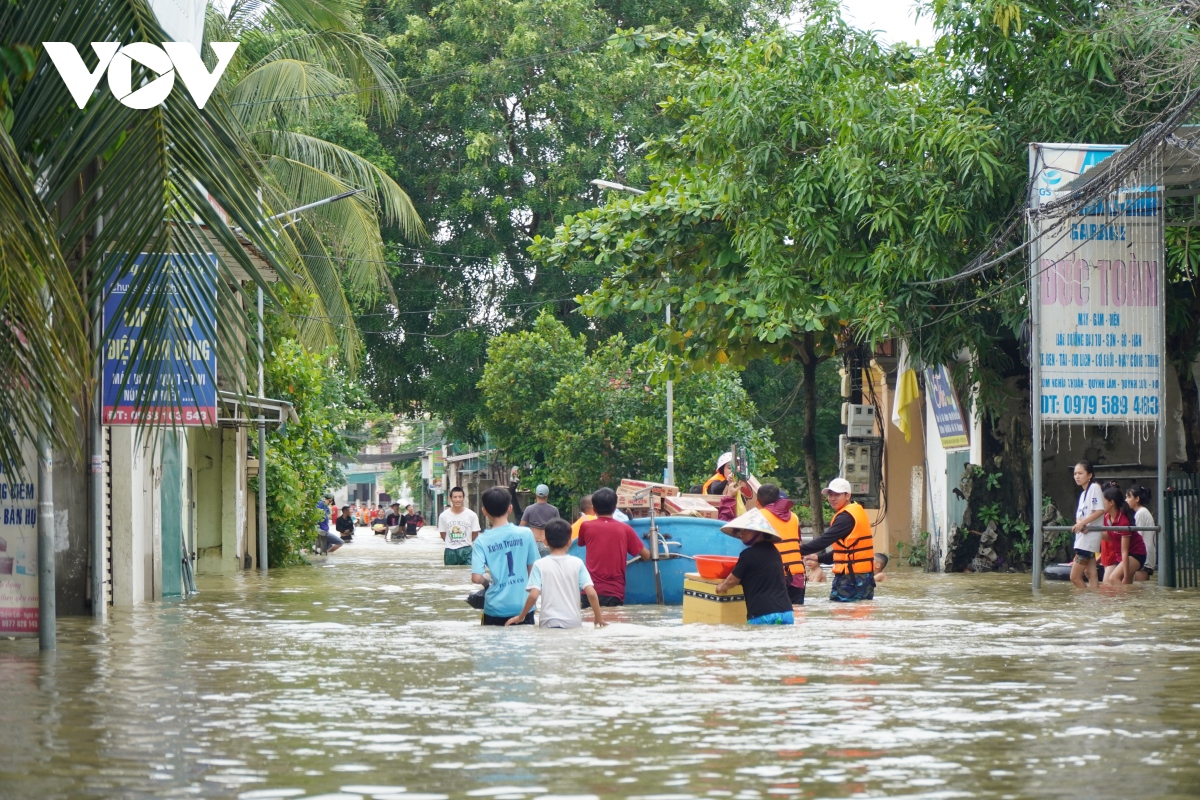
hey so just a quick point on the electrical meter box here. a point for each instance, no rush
(862, 465)
(858, 419)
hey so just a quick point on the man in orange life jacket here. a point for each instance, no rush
(853, 546)
(778, 511)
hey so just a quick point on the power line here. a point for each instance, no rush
(439, 77)
(441, 310)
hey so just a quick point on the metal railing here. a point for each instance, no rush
(1180, 550)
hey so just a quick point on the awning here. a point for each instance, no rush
(384, 458)
(244, 412)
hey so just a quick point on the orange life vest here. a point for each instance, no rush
(789, 548)
(710, 482)
(855, 553)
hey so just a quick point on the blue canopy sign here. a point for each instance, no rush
(183, 366)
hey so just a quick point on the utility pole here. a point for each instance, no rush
(669, 473)
(47, 615)
(262, 447)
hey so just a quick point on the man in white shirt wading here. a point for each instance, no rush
(458, 527)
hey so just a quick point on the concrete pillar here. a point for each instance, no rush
(128, 518)
(233, 498)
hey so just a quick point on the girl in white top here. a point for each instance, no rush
(1089, 510)
(1137, 497)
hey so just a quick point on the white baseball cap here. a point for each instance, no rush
(723, 460)
(837, 486)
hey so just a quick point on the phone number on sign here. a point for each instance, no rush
(1105, 405)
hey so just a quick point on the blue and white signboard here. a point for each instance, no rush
(183, 368)
(1097, 277)
(952, 430)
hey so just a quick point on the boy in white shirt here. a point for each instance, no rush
(558, 579)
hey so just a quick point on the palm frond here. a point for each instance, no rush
(395, 205)
(351, 226)
(43, 350)
(288, 88)
(123, 182)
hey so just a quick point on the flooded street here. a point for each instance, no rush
(368, 676)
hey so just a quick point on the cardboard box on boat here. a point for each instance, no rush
(690, 506)
(626, 500)
(712, 499)
(660, 489)
(701, 603)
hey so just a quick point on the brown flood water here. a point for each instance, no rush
(368, 676)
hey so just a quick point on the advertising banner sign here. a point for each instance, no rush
(183, 368)
(18, 556)
(1097, 277)
(437, 469)
(946, 411)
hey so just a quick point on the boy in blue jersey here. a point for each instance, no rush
(501, 558)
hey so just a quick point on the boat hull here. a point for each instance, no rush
(695, 536)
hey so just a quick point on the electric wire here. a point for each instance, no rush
(443, 76)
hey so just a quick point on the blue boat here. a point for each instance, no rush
(680, 536)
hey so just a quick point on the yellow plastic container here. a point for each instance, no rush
(701, 603)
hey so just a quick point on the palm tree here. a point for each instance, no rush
(116, 182)
(297, 60)
(84, 192)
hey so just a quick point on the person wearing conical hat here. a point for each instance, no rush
(759, 571)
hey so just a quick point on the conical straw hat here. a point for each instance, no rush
(752, 520)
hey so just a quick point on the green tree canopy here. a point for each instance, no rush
(510, 109)
(585, 419)
(810, 179)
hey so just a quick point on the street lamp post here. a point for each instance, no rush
(669, 476)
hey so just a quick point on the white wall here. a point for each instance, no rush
(935, 476)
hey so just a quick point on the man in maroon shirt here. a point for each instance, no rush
(608, 544)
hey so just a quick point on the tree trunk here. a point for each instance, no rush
(808, 358)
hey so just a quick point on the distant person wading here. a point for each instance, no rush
(458, 527)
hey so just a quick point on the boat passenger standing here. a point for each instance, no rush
(501, 558)
(608, 544)
(720, 476)
(777, 510)
(759, 571)
(853, 546)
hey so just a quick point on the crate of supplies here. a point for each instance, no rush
(701, 603)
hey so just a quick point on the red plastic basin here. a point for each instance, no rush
(715, 566)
